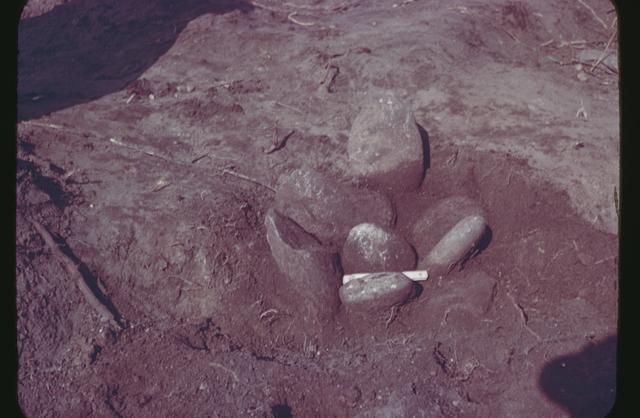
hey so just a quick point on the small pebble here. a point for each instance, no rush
(582, 76)
(377, 291)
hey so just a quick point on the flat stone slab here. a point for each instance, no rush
(438, 219)
(329, 209)
(385, 147)
(311, 270)
(372, 248)
(376, 292)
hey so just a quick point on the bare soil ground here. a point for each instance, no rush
(141, 141)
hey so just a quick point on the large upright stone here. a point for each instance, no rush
(326, 208)
(385, 147)
(438, 219)
(372, 248)
(312, 271)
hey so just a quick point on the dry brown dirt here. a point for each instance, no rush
(141, 143)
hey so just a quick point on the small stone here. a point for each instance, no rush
(582, 76)
(326, 208)
(310, 269)
(385, 146)
(437, 220)
(372, 248)
(456, 247)
(377, 291)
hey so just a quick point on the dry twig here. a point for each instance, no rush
(330, 77)
(92, 296)
(267, 312)
(582, 111)
(42, 125)
(295, 109)
(392, 315)
(228, 370)
(604, 53)
(291, 15)
(271, 9)
(278, 143)
(249, 179)
(143, 151)
(593, 12)
(523, 316)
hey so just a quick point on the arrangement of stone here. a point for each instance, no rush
(320, 230)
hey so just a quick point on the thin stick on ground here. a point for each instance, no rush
(392, 315)
(228, 370)
(298, 22)
(73, 270)
(42, 125)
(265, 7)
(143, 151)
(523, 316)
(593, 12)
(279, 142)
(249, 179)
(604, 53)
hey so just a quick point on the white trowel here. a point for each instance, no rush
(415, 275)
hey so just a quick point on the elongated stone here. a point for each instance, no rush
(456, 247)
(385, 146)
(311, 270)
(372, 248)
(377, 291)
(438, 219)
(329, 209)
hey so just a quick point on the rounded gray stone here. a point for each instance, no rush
(372, 248)
(458, 245)
(385, 146)
(310, 269)
(329, 209)
(438, 219)
(377, 291)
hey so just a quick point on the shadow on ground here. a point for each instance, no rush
(583, 383)
(85, 49)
